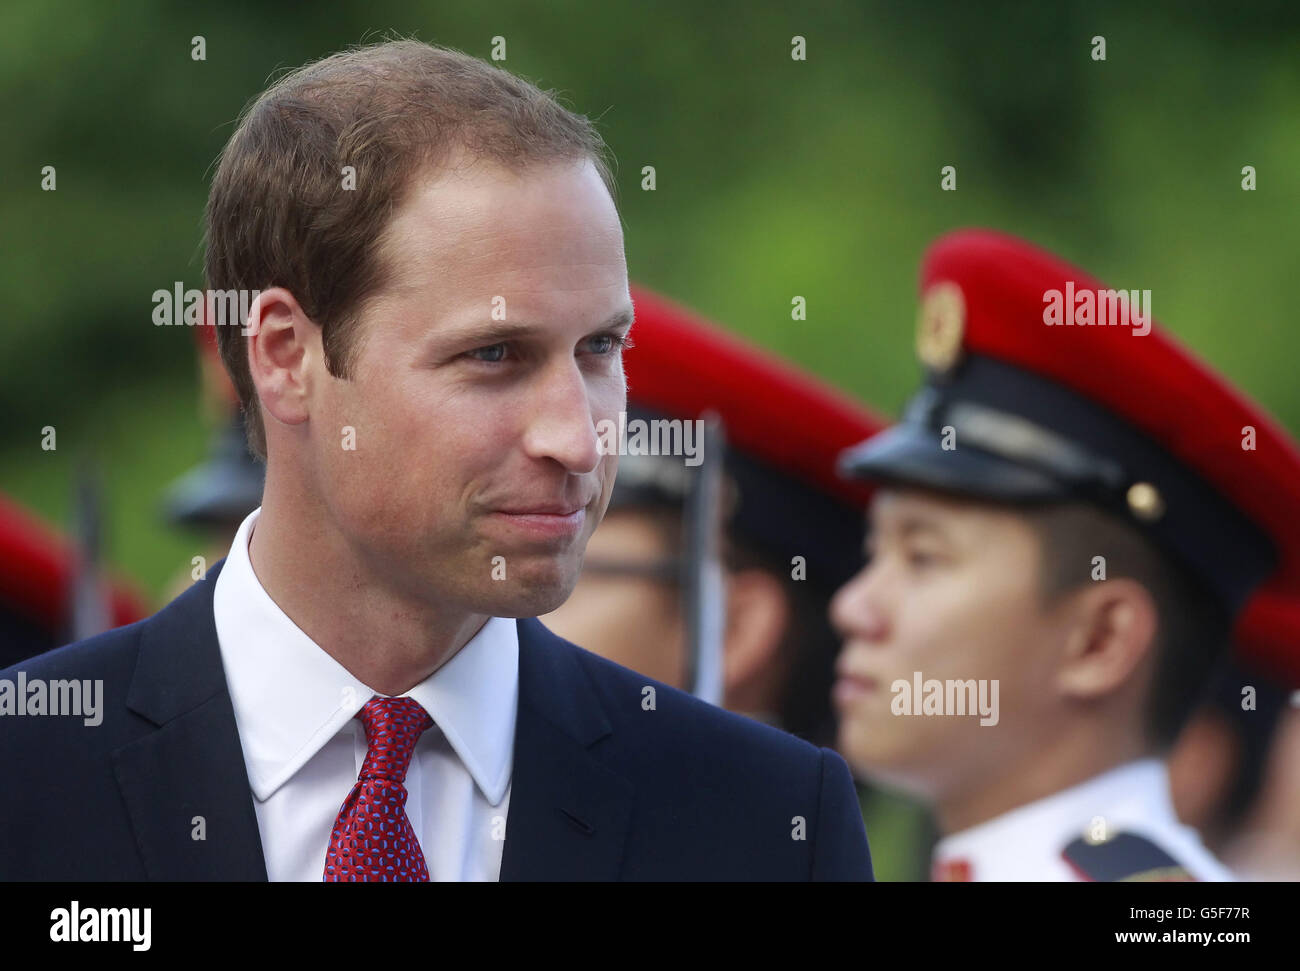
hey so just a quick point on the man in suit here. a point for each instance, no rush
(360, 690)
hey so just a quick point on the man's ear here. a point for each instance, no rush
(281, 341)
(757, 615)
(1112, 632)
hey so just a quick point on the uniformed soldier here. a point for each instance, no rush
(1071, 515)
(790, 527)
(40, 575)
(1235, 770)
(215, 496)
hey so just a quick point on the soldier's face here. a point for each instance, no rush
(950, 590)
(633, 620)
(474, 476)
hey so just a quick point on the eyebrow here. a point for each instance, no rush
(908, 526)
(914, 525)
(496, 331)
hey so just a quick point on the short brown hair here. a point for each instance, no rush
(1193, 628)
(278, 214)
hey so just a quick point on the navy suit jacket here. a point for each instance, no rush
(602, 789)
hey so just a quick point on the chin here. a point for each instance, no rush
(886, 759)
(876, 754)
(531, 593)
(889, 773)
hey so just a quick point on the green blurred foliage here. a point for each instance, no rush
(775, 178)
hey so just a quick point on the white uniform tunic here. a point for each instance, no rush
(1028, 842)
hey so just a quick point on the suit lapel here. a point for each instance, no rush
(568, 814)
(186, 778)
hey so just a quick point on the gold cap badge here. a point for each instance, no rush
(1145, 502)
(940, 326)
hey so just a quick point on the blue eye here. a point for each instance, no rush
(601, 345)
(608, 343)
(489, 353)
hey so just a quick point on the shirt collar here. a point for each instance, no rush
(290, 697)
(1133, 794)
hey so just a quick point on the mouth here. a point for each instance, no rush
(551, 521)
(546, 509)
(852, 683)
(849, 689)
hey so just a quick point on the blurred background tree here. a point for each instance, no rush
(775, 177)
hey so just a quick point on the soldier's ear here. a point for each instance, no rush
(1110, 639)
(757, 615)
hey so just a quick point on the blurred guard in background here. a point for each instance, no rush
(1235, 772)
(50, 591)
(1075, 513)
(215, 496)
(790, 530)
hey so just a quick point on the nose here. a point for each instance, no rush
(857, 611)
(560, 426)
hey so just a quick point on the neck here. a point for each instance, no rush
(1077, 757)
(385, 638)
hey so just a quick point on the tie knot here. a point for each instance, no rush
(393, 726)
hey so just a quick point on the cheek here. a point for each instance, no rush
(607, 395)
(439, 441)
(1006, 636)
(965, 626)
(607, 398)
(934, 623)
(608, 472)
(399, 471)
(362, 419)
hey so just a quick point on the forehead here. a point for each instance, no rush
(902, 507)
(475, 224)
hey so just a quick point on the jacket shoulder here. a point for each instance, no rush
(103, 655)
(716, 792)
(636, 702)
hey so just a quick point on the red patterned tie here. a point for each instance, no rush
(372, 838)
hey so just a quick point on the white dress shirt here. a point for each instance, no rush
(295, 708)
(1026, 843)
